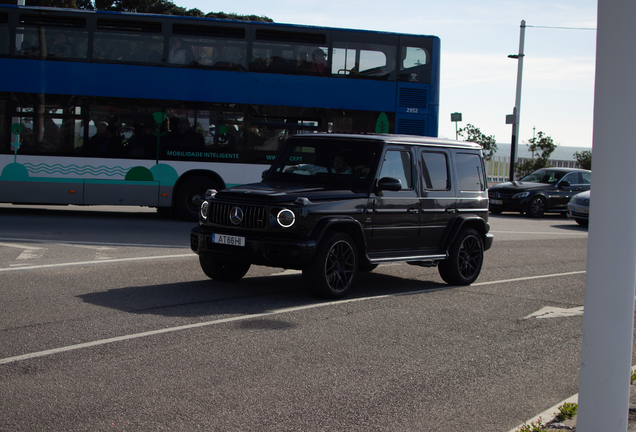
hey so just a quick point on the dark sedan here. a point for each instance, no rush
(547, 190)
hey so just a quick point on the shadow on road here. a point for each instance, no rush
(251, 295)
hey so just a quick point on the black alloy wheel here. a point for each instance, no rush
(223, 270)
(465, 259)
(335, 266)
(537, 208)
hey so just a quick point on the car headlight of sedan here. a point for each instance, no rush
(285, 218)
(520, 195)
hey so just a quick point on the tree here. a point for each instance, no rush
(473, 134)
(48, 3)
(584, 159)
(161, 7)
(543, 146)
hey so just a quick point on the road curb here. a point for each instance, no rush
(549, 414)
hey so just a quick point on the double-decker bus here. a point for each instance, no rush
(107, 108)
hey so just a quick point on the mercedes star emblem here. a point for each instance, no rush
(236, 215)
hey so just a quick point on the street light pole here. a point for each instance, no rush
(517, 110)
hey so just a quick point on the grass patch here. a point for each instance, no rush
(566, 411)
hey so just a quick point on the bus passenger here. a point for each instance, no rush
(190, 139)
(28, 144)
(177, 54)
(113, 145)
(303, 63)
(61, 46)
(141, 143)
(319, 65)
(97, 140)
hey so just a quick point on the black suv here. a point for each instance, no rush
(334, 204)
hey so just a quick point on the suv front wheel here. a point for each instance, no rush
(465, 258)
(334, 268)
(223, 270)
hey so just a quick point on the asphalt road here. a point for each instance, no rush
(108, 323)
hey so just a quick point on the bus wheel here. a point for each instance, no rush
(223, 270)
(189, 196)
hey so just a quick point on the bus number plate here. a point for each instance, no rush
(228, 240)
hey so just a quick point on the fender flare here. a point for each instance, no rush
(344, 224)
(470, 221)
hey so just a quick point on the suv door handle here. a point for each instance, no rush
(412, 211)
(451, 210)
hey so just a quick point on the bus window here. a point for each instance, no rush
(363, 60)
(219, 47)
(289, 52)
(128, 41)
(214, 53)
(4, 145)
(4, 33)
(51, 37)
(416, 59)
(225, 130)
(49, 130)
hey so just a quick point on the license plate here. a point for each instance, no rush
(580, 210)
(228, 240)
(496, 202)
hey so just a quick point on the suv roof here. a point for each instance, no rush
(394, 139)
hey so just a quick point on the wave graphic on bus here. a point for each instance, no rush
(75, 169)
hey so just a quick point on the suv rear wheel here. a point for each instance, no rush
(334, 268)
(465, 258)
(223, 270)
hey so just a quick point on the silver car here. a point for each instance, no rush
(579, 208)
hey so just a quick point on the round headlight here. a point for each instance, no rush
(286, 218)
(205, 207)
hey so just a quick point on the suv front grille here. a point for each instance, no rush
(253, 216)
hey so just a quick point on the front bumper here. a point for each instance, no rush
(508, 205)
(578, 212)
(257, 250)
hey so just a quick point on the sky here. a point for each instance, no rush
(477, 77)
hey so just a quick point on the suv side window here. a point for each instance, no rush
(435, 171)
(397, 164)
(469, 172)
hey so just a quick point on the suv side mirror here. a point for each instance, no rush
(389, 184)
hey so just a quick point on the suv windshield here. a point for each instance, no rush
(543, 176)
(334, 164)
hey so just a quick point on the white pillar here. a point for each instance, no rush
(608, 322)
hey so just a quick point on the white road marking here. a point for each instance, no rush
(35, 267)
(581, 234)
(555, 312)
(19, 246)
(144, 245)
(240, 317)
(31, 254)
